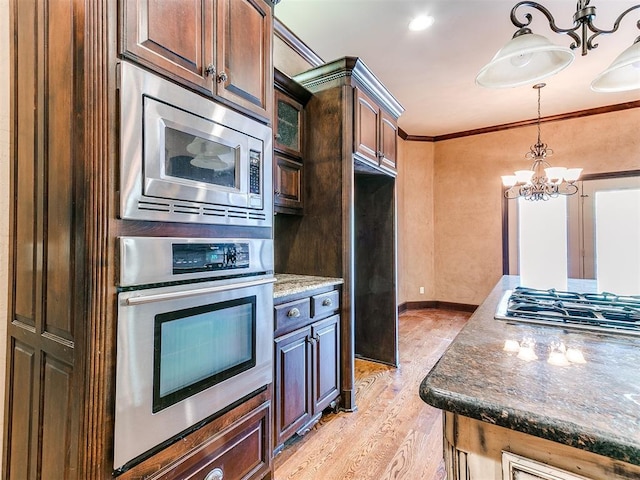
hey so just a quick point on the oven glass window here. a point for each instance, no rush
(200, 159)
(198, 347)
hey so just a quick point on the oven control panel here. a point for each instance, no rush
(155, 260)
(209, 257)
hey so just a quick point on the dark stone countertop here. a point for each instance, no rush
(291, 284)
(594, 406)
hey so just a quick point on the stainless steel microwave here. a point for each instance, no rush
(186, 158)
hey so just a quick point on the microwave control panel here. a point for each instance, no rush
(209, 257)
(254, 173)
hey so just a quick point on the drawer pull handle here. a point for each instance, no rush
(293, 313)
(215, 474)
(327, 302)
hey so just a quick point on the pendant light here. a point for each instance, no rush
(528, 58)
(542, 181)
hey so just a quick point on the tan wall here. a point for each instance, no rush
(415, 221)
(468, 228)
(4, 191)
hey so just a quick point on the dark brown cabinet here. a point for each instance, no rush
(288, 144)
(61, 328)
(287, 185)
(375, 133)
(348, 229)
(221, 48)
(236, 446)
(307, 362)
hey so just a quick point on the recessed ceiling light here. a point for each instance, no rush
(421, 22)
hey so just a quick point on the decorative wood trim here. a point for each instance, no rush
(97, 354)
(523, 123)
(414, 138)
(458, 307)
(289, 38)
(351, 68)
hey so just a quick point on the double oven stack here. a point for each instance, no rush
(195, 323)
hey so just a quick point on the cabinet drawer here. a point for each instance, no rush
(324, 304)
(292, 315)
(240, 452)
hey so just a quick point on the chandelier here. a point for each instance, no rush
(542, 181)
(528, 58)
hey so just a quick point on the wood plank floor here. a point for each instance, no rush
(393, 434)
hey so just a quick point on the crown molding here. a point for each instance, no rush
(523, 123)
(351, 71)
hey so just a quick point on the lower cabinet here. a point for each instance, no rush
(307, 365)
(235, 446)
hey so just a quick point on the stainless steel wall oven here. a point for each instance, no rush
(194, 335)
(185, 158)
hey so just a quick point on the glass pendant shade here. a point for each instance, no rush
(555, 174)
(623, 74)
(509, 180)
(525, 59)
(524, 176)
(572, 174)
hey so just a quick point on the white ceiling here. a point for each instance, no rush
(432, 73)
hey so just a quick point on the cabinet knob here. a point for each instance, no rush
(327, 302)
(222, 77)
(380, 154)
(277, 192)
(215, 474)
(210, 70)
(293, 313)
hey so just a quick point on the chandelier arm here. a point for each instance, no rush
(598, 31)
(552, 22)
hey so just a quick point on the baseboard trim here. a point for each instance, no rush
(459, 307)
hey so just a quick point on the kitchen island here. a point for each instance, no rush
(511, 413)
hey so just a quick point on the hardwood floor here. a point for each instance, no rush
(393, 434)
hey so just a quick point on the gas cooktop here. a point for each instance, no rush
(603, 312)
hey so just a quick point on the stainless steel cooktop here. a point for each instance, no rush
(603, 312)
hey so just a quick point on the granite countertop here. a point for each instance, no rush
(290, 284)
(593, 405)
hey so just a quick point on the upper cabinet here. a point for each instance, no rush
(288, 144)
(375, 111)
(221, 48)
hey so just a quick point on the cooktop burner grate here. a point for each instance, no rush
(601, 312)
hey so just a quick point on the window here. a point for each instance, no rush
(598, 230)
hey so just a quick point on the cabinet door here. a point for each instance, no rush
(243, 54)
(292, 383)
(172, 37)
(388, 141)
(326, 364)
(289, 126)
(366, 121)
(287, 184)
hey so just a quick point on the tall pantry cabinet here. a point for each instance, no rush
(63, 220)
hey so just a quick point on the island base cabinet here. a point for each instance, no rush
(479, 450)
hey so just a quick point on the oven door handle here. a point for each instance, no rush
(157, 297)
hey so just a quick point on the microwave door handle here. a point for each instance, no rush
(157, 297)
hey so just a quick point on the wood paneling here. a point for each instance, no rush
(56, 108)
